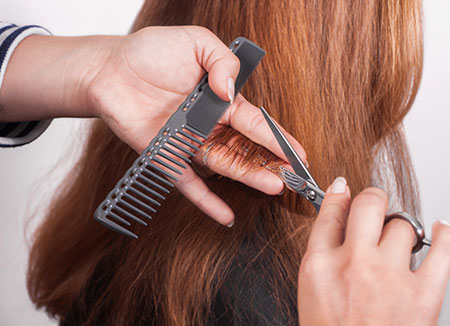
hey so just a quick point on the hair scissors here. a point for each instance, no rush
(303, 183)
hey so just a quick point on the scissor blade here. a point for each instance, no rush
(292, 156)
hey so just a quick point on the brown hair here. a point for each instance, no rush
(338, 75)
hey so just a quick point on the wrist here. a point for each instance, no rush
(49, 77)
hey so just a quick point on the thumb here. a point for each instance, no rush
(328, 229)
(217, 59)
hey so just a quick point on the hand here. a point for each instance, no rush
(364, 278)
(135, 83)
(150, 73)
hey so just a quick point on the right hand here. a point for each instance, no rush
(357, 272)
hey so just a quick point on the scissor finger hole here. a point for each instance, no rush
(398, 238)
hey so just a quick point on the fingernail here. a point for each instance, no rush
(338, 186)
(444, 222)
(307, 164)
(230, 89)
(282, 192)
(231, 224)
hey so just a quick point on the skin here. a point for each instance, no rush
(134, 83)
(355, 272)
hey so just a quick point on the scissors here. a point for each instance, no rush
(304, 184)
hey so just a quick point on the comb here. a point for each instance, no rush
(144, 186)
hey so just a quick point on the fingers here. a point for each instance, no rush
(170, 163)
(249, 121)
(217, 59)
(397, 241)
(328, 230)
(223, 67)
(436, 266)
(366, 218)
(194, 189)
(260, 179)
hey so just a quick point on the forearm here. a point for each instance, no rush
(49, 76)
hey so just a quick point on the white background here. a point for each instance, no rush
(30, 173)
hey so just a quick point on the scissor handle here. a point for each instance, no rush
(416, 225)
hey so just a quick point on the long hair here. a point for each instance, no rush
(338, 75)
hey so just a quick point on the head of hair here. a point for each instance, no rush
(338, 75)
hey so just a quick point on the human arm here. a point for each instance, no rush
(355, 272)
(22, 132)
(134, 83)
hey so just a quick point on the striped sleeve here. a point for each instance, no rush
(17, 133)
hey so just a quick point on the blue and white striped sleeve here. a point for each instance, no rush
(17, 133)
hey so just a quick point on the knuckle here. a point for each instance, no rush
(335, 204)
(234, 62)
(254, 123)
(313, 264)
(186, 179)
(331, 217)
(373, 198)
(200, 30)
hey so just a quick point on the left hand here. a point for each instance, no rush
(152, 80)
(135, 83)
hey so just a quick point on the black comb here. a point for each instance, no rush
(143, 187)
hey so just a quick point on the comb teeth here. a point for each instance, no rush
(167, 165)
(137, 201)
(153, 183)
(151, 191)
(137, 210)
(167, 157)
(129, 215)
(140, 193)
(171, 151)
(185, 134)
(181, 140)
(158, 169)
(147, 198)
(181, 148)
(157, 177)
(118, 218)
(194, 131)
